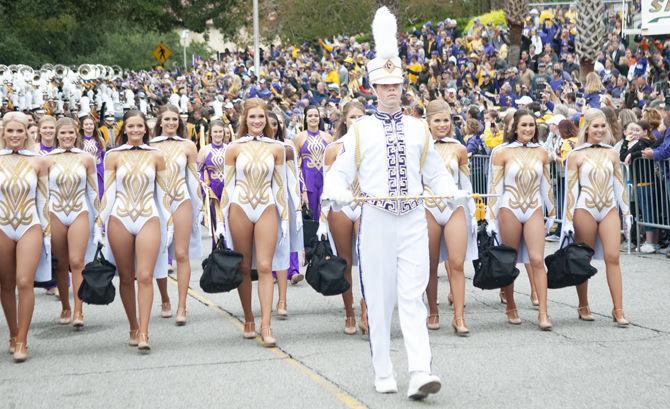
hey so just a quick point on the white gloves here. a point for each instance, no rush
(220, 230)
(338, 198)
(548, 225)
(626, 225)
(568, 227)
(473, 226)
(459, 197)
(97, 235)
(322, 230)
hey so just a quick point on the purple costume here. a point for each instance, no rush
(311, 155)
(212, 168)
(92, 146)
(45, 149)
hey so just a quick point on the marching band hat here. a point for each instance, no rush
(386, 67)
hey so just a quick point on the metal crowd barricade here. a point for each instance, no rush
(650, 193)
(479, 167)
(626, 176)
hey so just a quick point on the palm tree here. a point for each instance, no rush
(591, 33)
(515, 13)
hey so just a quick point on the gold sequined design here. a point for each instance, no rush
(256, 163)
(218, 160)
(294, 173)
(316, 148)
(498, 173)
(448, 152)
(573, 179)
(597, 169)
(135, 193)
(526, 188)
(356, 192)
(175, 165)
(18, 182)
(67, 184)
(91, 146)
(281, 192)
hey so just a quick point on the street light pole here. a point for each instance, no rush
(184, 36)
(257, 57)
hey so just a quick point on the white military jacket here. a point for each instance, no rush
(393, 155)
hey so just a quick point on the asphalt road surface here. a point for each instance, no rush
(207, 363)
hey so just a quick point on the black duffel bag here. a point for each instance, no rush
(221, 269)
(97, 287)
(325, 271)
(496, 266)
(570, 265)
(310, 225)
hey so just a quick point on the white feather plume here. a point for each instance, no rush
(385, 33)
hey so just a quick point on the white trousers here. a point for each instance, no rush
(393, 264)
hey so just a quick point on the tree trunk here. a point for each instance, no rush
(514, 52)
(586, 66)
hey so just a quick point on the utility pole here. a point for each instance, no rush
(257, 57)
(184, 36)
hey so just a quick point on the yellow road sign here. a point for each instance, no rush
(162, 53)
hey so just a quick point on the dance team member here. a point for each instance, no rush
(255, 211)
(343, 224)
(295, 241)
(210, 164)
(186, 206)
(24, 230)
(520, 175)
(311, 144)
(595, 193)
(453, 223)
(46, 134)
(135, 200)
(93, 143)
(73, 208)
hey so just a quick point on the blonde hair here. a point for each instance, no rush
(591, 115)
(63, 122)
(250, 104)
(439, 106)
(22, 119)
(593, 83)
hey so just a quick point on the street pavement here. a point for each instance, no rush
(207, 363)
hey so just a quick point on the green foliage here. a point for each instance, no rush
(122, 32)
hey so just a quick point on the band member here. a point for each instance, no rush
(210, 165)
(295, 241)
(255, 211)
(93, 143)
(520, 174)
(343, 225)
(453, 223)
(24, 229)
(184, 187)
(311, 144)
(595, 192)
(73, 207)
(134, 203)
(391, 154)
